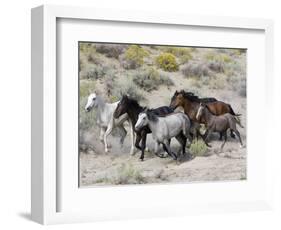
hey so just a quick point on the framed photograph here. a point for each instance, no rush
(141, 114)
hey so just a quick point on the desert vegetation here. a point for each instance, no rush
(150, 74)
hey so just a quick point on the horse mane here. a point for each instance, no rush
(151, 116)
(100, 101)
(190, 96)
(134, 103)
(194, 98)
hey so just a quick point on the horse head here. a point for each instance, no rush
(121, 107)
(142, 120)
(177, 100)
(91, 102)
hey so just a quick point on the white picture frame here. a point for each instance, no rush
(46, 183)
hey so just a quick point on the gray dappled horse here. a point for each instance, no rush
(164, 128)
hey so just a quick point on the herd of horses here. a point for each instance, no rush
(182, 120)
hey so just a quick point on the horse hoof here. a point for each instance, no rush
(241, 146)
(141, 159)
(106, 150)
(132, 152)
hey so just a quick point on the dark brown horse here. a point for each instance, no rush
(133, 109)
(191, 103)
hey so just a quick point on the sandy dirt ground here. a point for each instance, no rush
(118, 167)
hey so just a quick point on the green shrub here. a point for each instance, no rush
(126, 88)
(111, 51)
(94, 72)
(218, 57)
(87, 54)
(198, 148)
(184, 59)
(134, 57)
(237, 66)
(127, 174)
(167, 62)
(195, 69)
(83, 61)
(86, 87)
(150, 79)
(236, 52)
(86, 47)
(217, 82)
(216, 66)
(178, 51)
(184, 54)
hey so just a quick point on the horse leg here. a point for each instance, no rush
(132, 151)
(107, 132)
(225, 139)
(239, 137)
(123, 134)
(203, 138)
(102, 131)
(167, 148)
(143, 144)
(207, 134)
(156, 147)
(221, 134)
(232, 134)
(138, 139)
(182, 140)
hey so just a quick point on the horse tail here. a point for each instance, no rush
(186, 127)
(238, 121)
(231, 110)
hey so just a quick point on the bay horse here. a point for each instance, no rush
(131, 107)
(164, 128)
(191, 103)
(106, 121)
(220, 123)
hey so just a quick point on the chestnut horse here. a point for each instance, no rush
(191, 104)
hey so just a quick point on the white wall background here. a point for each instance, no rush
(15, 112)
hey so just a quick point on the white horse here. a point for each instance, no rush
(107, 122)
(163, 128)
